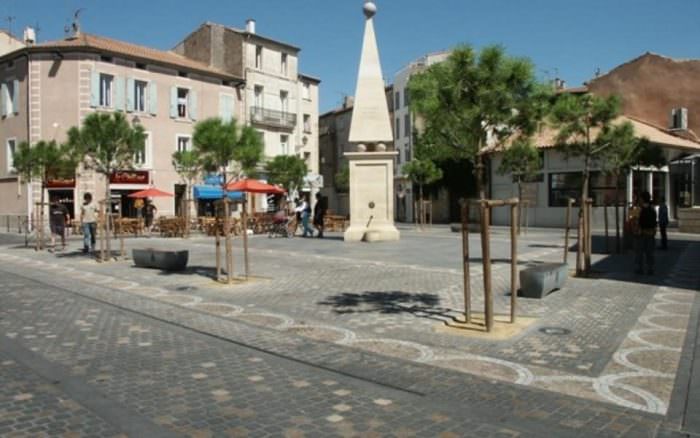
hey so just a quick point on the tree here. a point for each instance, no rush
(522, 160)
(342, 179)
(473, 99)
(188, 165)
(108, 143)
(288, 171)
(624, 152)
(44, 161)
(218, 144)
(578, 117)
(421, 173)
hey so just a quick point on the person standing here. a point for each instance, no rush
(149, 212)
(319, 214)
(663, 222)
(88, 221)
(647, 231)
(58, 217)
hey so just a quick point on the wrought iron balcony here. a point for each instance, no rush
(274, 118)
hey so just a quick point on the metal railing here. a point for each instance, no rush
(275, 118)
(13, 223)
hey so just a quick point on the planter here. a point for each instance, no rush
(160, 259)
(540, 281)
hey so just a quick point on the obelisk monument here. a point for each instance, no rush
(372, 162)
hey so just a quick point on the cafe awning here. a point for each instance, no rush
(206, 192)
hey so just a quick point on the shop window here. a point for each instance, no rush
(563, 186)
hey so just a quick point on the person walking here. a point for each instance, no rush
(88, 221)
(305, 210)
(647, 230)
(319, 214)
(58, 217)
(149, 212)
(663, 223)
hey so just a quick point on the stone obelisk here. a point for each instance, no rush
(372, 162)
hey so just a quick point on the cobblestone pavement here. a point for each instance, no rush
(625, 351)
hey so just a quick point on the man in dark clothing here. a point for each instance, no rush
(58, 216)
(663, 222)
(319, 214)
(646, 244)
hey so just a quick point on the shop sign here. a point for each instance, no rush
(129, 177)
(60, 183)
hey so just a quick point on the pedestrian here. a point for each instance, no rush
(663, 222)
(149, 212)
(647, 230)
(58, 217)
(305, 211)
(88, 221)
(319, 214)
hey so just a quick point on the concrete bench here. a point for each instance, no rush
(160, 259)
(539, 281)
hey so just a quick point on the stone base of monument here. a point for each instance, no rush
(476, 328)
(374, 234)
(160, 259)
(539, 281)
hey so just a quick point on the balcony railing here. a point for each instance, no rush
(275, 118)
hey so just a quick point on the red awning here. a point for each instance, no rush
(254, 186)
(150, 193)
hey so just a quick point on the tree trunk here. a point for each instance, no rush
(520, 204)
(617, 213)
(480, 175)
(42, 199)
(421, 210)
(583, 249)
(107, 218)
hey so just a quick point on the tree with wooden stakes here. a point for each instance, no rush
(44, 161)
(189, 166)
(421, 173)
(624, 152)
(221, 146)
(581, 120)
(522, 160)
(108, 144)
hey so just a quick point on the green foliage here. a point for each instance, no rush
(624, 150)
(422, 172)
(107, 141)
(219, 143)
(288, 171)
(473, 95)
(521, 159)
(187, 164)
(45, 160)
(342, 179)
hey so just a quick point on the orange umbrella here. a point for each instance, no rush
(150, 193)
(254, 186)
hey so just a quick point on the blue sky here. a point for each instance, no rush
(570, 38)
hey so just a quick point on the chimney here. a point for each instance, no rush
(29, 36)
(348, 101)
(250, 25)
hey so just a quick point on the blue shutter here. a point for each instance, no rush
(173, 102)
(118, 93)
(192, 104)
(130, 94)
(94, 89)
(153, 98)
(15, 96)
(3, 100)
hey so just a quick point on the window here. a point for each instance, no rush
(141, 66)
(563, 186)
(183, 143)
(10, 150)
(106, 90)
(408, 153)
(258, 57)
(406, 100)
(259, 96)
(284, 101)
(284, 144)
(283, 68)
(108, 59)
(182, 99)
(142, 158)
(10, 65)
(407, 126)
(397, 105)
(9, 97)
(398, 127)
(306, 91)
(140, 90)
(307, 123)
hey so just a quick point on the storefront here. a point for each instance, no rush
(205, 197)
(124, 183)
(685, 181)
(63, 191)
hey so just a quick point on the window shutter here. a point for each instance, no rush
(118, 93)
(3, 100)
(15, 96)
(173, 102)
(130, 94)
(153, 98)
(94, 89)
(192, 104)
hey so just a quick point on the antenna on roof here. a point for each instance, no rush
(9, 20)
(597, 71)
(75, 25)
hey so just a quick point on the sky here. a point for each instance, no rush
(569, 39)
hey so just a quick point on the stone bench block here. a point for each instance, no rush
(160, 259)
(539, 281)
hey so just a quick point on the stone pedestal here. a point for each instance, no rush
(371, 197)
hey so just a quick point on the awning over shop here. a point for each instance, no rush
(205, 192)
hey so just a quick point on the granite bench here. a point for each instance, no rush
(539, 281)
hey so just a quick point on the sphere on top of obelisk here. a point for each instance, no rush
(369, 9)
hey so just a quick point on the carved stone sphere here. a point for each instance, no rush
(381, 147)
(369, 9)
(361, 147)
